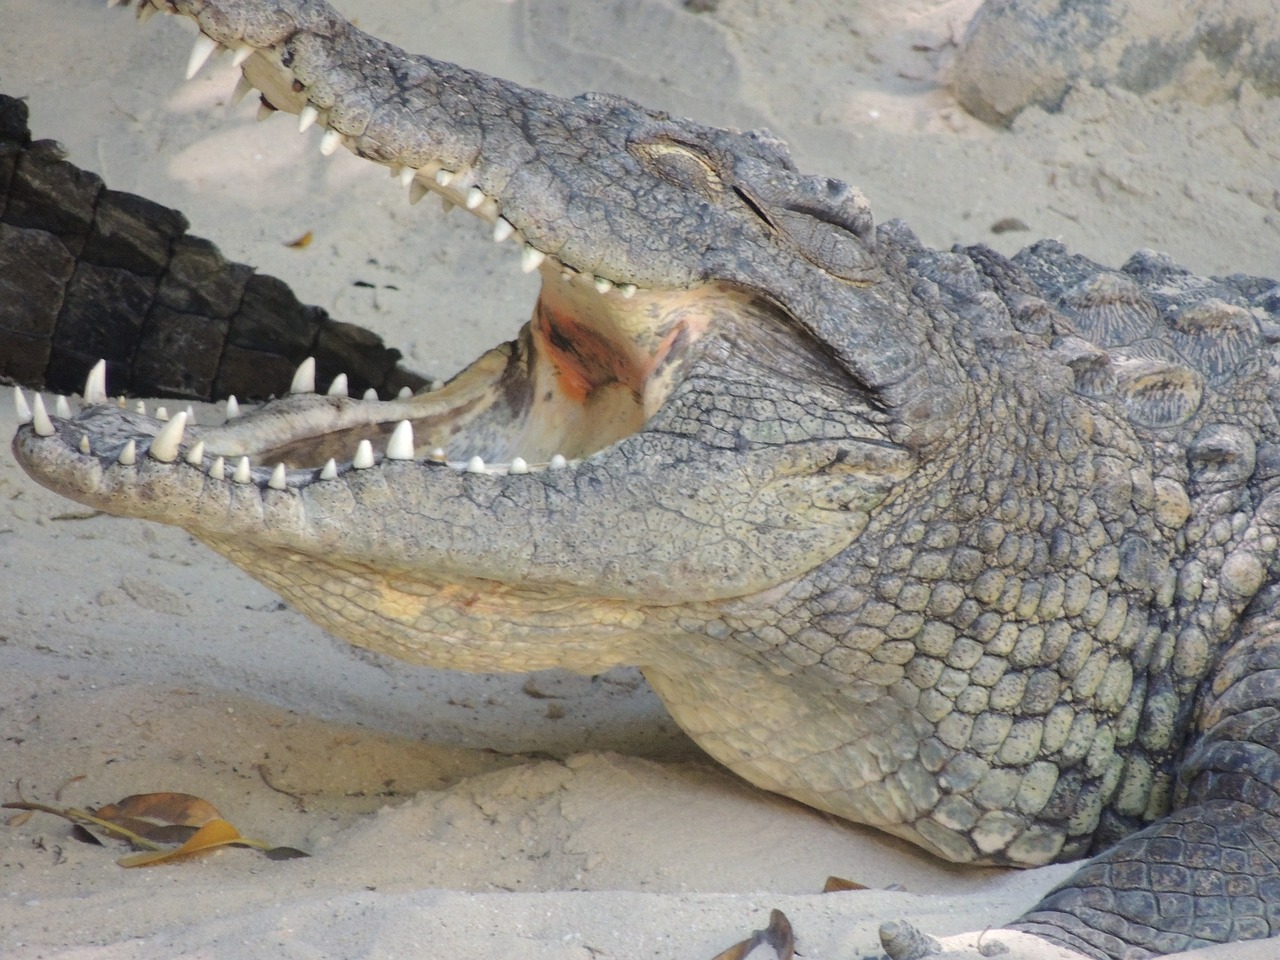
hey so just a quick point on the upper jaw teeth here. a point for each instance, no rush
(456, 187)
(167, 445)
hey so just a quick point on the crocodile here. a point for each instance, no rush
(980, 551)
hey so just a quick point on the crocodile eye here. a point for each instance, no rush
(681, 165)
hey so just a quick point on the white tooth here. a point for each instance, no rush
(304, 378)
(531, 258)
(195, 456)
(162, 413)
(242, 473)
(140, 407)
(242, 54)
(20, 405)
(218, 469)
(62, 408)
(233, 408)
(400, 446)
(40, 418)
(120, 402)
(518, 465)
(242, 90)
(436, 454)
(265, 111)
(84, 444)
(558, 462)
(602, 284)
(475, 465)
(364, 456)
(200, 53)
(165, 446)
(330, 471)
(278, 480)
(307, 117)
(95, 384)
(475, 197)
(370, 394)
(502, 229)
(129, 455)
(404, 393)
(628, 290)
(339, 386)
(444, 177)
(417, 190)
(406, 175)
(330, 142)
(191, 414)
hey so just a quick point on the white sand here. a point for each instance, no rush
(458, 816)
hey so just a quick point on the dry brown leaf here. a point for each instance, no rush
(777, 935)
(300, 243)
(840, 885)
(166, 807)
(215, 833)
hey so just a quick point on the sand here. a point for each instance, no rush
(484, 817)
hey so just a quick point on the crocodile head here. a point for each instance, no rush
(727, 373)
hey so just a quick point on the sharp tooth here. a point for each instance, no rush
(191, 414)
(165, 446)
(628, 290)
(195, 456)
(62, 408)
(404, 393)
(40, 418)
(304, 378)
(140, 407)
(406, 175)
(444, 177)
(265, 110)
(502, 229)
(95, 384)
(307, 117)
(370, 394)
(84, 444)
(218, 469)
(531, 258)
(446, 205)
(114, 3)
(233, 408)
(475, 197)
(242, 54)
(518, 465)
(21, 407)
(400, 446)
(242, 90)
(129, 455)
(162, 413)
(339, 386)
(436, 454)
(200, 53)
(242, 473)
(146, 12)
(278, 480)
(417, 190)
(330, 471)
(558, 462)
(364, 456)
(330, 142)
(602, 284)
(475, 465)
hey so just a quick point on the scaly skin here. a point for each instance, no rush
(979, 551)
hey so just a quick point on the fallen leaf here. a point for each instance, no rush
(840, 885)
(300, 243)
(777, 935)
(215, 833)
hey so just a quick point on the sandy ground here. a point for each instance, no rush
(477, 817)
